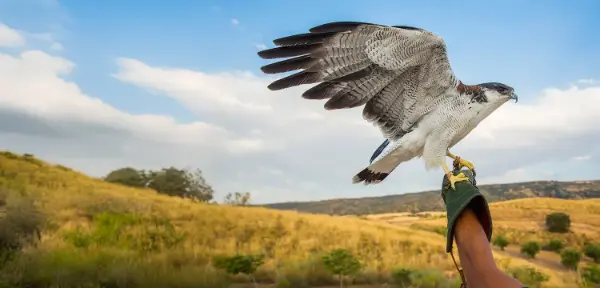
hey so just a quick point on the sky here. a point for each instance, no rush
(99, 85)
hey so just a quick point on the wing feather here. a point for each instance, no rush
(397, 72)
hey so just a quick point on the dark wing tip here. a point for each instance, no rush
(337, 26)
(273, 87)
(303, 39)
(267, 53)
(408, 27)
(299, 78)
(301, 62)
(288, 51)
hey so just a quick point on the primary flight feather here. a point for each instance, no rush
(402, 77)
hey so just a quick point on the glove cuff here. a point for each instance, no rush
(466, 196)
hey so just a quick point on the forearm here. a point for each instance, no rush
(476, 255)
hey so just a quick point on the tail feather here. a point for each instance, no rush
(369, 177)
(382, 166)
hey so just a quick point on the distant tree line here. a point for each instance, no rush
(174, 182)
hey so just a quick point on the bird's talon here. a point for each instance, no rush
(460, 177)
(459, 163)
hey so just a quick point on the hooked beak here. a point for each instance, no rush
(514, 96)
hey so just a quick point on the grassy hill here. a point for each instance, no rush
(431, 201)
(96, 234)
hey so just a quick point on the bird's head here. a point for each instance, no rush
(498, 92)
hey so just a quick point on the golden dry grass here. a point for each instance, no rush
(74, 204)
(187, 234)
(523, 220)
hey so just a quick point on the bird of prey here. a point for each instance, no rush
(402, 77)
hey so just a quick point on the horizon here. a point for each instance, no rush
(98, 86)
(425, 191)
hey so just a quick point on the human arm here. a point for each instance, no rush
(476, 255)
(470, 224)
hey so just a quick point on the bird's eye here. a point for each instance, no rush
(501, 89)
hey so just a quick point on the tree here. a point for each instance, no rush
(237, 199)
(531, 249)
(239, 264)
(341, 262)
(558, 222)
(170, 181)
(501, 242)
(555, 245)
(592, 251)
(180, 182)
(127, 176)
(570, 258)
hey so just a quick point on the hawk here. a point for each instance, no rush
(402, 77)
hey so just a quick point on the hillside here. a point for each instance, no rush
(96, 234)
(521, 221)
(431, 201)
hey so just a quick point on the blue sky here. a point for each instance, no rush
(530, 45)
(522, 43)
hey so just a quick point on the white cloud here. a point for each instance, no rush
(10, 37)
(260, 46)
(587, 81)
(46, 38)
(56, 46)
(235, 21)
(274, 144)
(510, 176)
(582, 158)
(31, 84)
(558, 125)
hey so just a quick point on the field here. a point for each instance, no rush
(96, 234)
(521, 221)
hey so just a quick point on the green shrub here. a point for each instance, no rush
(530, 249)
(239, 264)
(591, 275)
(570, 258)
(71, 267)
(63, 168)
(116, 230)
(20, 223)
(500, 242)
(341, 262)
(9, 155)
(558, 222)
(403, 277)
(593, 251)
(529, 276)
(555, 245)
(31, 159)
(422, 278)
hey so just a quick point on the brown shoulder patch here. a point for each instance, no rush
(467, 89)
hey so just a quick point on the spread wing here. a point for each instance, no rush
(397, 72)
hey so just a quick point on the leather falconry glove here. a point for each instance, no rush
(465, 196)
